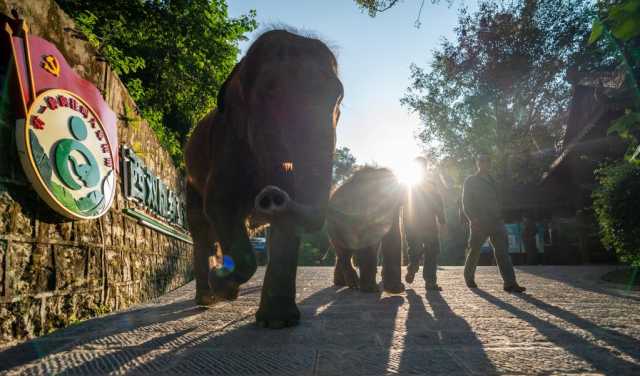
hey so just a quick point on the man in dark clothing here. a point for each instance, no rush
(481, 206)
(422, 213)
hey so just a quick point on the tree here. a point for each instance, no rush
(316, 249)
(615, 200)
(373, 7)
(172, 55)
(501, 87)
(344, 164)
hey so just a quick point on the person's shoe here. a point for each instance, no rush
(471, 284)
(409, 277)
(433, 288)
(515, 288)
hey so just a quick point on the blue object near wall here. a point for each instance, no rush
(514, 234)
(258, 244)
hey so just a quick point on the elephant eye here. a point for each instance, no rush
(287, 166)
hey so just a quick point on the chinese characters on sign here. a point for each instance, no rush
(143, 186)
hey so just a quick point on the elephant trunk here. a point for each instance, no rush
(275, 204)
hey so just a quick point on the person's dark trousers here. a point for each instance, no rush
(427, 249)
(430, 268)
(497, 235)
(415, 251)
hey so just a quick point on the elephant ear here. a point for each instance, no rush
(222, 93)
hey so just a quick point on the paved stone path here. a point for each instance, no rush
(566, 323)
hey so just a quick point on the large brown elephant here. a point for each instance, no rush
(264, 154)
(364, 217)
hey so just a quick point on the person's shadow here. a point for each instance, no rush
(621, 342)
(600, 358)
(430, 338)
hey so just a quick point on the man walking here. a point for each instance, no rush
(482, 208)
(421, 210)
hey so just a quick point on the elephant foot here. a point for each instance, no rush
(222, 288)
(277, 313)
(394, 288)
(204, 298)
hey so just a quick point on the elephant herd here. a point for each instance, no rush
(265, 155)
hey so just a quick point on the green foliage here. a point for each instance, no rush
(628, 127)
(344, 164)
(622, 19)
(316, 250)
(616, 199)
(617, 203)
(87, 22)
(618, 23)
(373, 7)
(173, 56)
(500, 87)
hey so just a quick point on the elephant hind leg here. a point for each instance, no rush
(391, 248)
(203, 236)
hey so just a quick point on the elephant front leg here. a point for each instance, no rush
(349, 274)
(367, 262)
(344, 273)
(278, 301)
(239, 261)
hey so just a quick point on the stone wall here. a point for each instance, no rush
(54, 271)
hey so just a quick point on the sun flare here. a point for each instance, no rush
(409, 173)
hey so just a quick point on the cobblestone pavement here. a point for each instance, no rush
(566, 323)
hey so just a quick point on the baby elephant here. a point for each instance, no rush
(363, 217)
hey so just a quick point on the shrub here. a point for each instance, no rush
(617, 206)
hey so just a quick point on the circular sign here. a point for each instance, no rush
(66, 155)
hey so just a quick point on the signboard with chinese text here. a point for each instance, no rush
(142, 186)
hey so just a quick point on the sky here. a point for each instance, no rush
(374, 55)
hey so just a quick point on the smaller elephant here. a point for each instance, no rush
(363, 218)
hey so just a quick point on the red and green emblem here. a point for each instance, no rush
(66, 154)
(66, 134)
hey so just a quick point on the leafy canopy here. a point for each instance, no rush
(618, 24)
(344, 164)
(501, 86)
(615, 200)
(373, 7)
(172, 55)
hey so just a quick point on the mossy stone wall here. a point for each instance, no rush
(54, 271)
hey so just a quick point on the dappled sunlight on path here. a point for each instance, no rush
(566, 324)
